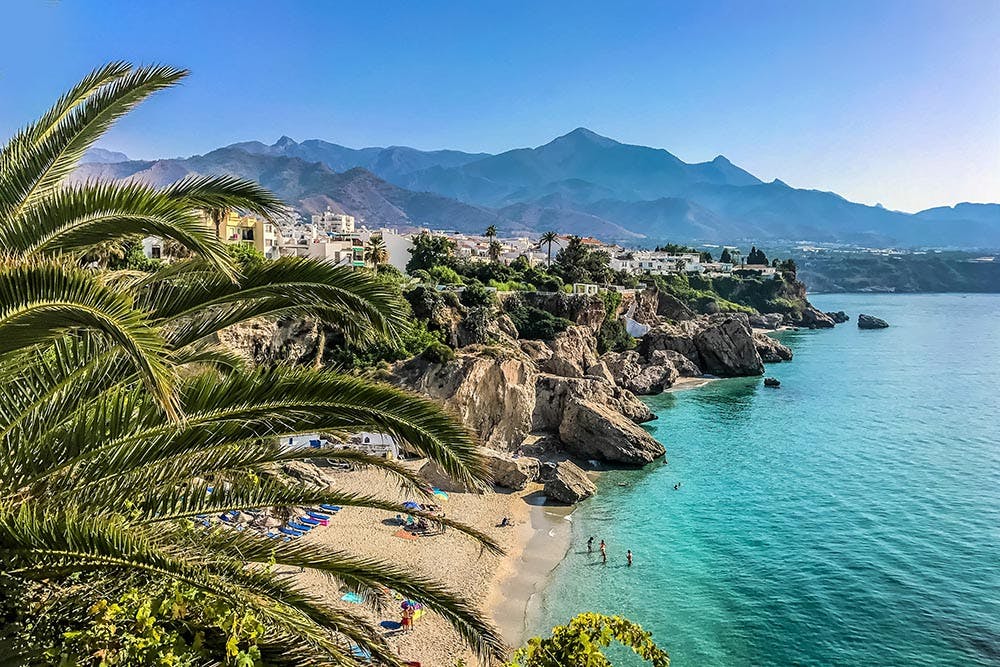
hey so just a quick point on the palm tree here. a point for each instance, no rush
(491, 232)
(495, 250)
(548, 238)
(120, 418)
(376, 253)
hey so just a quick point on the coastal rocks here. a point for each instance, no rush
(838, 317)
(594, 431)
(491, 390)
(672, 308)
(766, 320)
(554, 395)
(814, 319)
(726, 347)
(483, 326)
(582, 309)
(573, 352)
(509, 472)
(307, 473)
(772, 382)
(437, 477)
(871, 322)
(770, 350)
(568, 484)
(265, 341)
(639, 375)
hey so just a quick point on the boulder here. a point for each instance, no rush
(871, 322)
(483, 326)
(672, 308)
(838, 317)
(492, 390)
(569, 484)
(509, 472)
(772, 382)
(307, 473)
(685, 367)
(573, 351)
(601, 371)
(766, 320)
(814, 319)
(554, 395)
(595, 431)
(770, 350)
(726, 347)
(639, 375)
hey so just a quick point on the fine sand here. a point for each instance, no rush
(501, 586)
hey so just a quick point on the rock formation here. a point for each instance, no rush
(770, 350)
(592, 430)
(568, 484)
(871, 322)
(509, 472)
(839, 317)
(767, 320)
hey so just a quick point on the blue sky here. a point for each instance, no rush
(891, 101)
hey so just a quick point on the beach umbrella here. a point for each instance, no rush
(440, 494)
(410, 505)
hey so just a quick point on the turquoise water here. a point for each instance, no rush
(851, 517)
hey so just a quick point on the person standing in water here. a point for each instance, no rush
(590, 544)
(628, 555)
(604, 553)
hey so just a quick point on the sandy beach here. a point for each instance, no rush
(501, 586)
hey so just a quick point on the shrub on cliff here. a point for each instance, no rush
(580, 642)
(534, 323)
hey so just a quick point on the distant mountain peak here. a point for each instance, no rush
(583, 135)
(780, 182)
(103, 156)
(721, 159)
(285, 141)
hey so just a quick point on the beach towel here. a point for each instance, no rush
(405, 535)
(353, 598)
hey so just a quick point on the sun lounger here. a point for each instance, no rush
(331, 508)
(290, 531)
(318, 515)
(309, 521)
(305, 528)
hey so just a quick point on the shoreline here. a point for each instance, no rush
(543, 540)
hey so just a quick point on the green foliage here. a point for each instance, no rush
(756, 256)
(245, 255)
(726, 257)
(576, 263)
(612, 336)
(534, 323)
(438, 353)
(429, 251)
(477, 295)
(131, 257)
(580, 643)
(699, 293)
(444, 275)
(120, 411)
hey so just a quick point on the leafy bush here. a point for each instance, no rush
(438, 353)
(477, 295)
(534, 323)
(612, 336)
(445, 275)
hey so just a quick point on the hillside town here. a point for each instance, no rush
(338, 238)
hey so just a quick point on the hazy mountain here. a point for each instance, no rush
(101, 155)
(580, 183)
(630, 173)
(387, 163)
(313, 187)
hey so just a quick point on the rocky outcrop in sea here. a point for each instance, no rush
(871, 322)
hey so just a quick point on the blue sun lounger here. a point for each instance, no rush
(290, 531)
(308, 521)
(318, 515)
(331, 508)
(299, 526)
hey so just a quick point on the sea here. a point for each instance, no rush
(849, 517)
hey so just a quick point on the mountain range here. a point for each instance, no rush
(579, 183)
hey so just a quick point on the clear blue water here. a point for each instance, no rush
(851, 517)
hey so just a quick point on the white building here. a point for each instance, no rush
(657, 263)
(338, 223)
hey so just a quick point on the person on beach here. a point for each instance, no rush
(628, 555)
(604, 553)
(407, 621)
(590, 544)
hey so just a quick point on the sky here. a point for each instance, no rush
(882, 101)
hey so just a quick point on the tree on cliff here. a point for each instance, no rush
(576, 263)
(429, 251)
(121, 420)
(726, 257)
(547, 239)
(756, 256)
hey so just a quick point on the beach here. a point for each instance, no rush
(500, 585)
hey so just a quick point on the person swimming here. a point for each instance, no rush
(628, 555)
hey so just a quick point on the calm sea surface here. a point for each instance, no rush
(851, 517)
